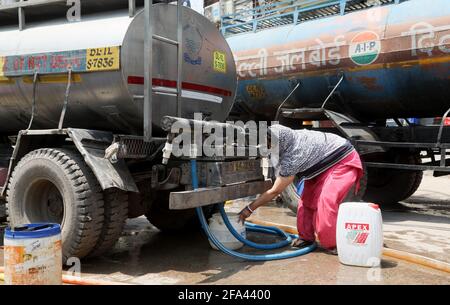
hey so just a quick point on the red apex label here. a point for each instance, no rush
(357, 226)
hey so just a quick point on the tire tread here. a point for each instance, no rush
(115, 215)
(88, 197)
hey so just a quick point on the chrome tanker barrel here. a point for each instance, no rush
(395, 58)
(105, 53)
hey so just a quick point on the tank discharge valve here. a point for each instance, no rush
(265, 164)
(167, 152)
(111, 152)
(193, 151)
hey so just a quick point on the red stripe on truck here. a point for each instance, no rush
(139, 80)
(135, 80)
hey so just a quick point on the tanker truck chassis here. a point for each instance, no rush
(86, 125)
(394, 157)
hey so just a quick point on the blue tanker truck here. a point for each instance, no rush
(357, 68)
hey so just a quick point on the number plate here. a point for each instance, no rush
(103, 59)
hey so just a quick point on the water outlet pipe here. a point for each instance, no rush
(251, 227)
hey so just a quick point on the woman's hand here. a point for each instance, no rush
(281, 183)
(244, 214)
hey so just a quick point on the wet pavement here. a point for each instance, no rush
(144, 255)
(421, 225)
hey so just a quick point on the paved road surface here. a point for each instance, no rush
(146, 256)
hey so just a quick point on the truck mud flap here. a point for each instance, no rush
(92, 144)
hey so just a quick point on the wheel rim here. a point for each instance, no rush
(44, 202)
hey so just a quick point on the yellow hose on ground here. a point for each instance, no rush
(74, 280)
(401, 255)
(417, 259)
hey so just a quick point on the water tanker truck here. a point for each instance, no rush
(352, 68)
(85, 114)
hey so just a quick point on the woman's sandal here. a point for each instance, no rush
(300, 243)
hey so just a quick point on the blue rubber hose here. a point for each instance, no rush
(300, 187)
(256, 228)
(251, 227)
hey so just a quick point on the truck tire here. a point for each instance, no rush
(166, 220)
(290, 197)
(390, 186)
(394, 187)
(115, 215)
(2, 211)
(55, 185)
(415, 185)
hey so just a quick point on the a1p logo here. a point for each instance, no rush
(365, 48)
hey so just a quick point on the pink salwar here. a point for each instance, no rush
(322, 195)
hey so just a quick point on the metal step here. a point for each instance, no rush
(166, 40)
(305, 114)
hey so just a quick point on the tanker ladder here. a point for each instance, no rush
(148, 64)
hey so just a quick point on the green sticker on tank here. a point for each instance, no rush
(220, 62)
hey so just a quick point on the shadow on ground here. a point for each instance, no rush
(145, 250)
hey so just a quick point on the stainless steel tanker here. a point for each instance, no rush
(106, 55)
(97, 169)
(395, 58)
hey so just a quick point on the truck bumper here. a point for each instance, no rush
(210, 195)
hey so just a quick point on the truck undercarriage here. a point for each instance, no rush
(394, 156)
(62, 174)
